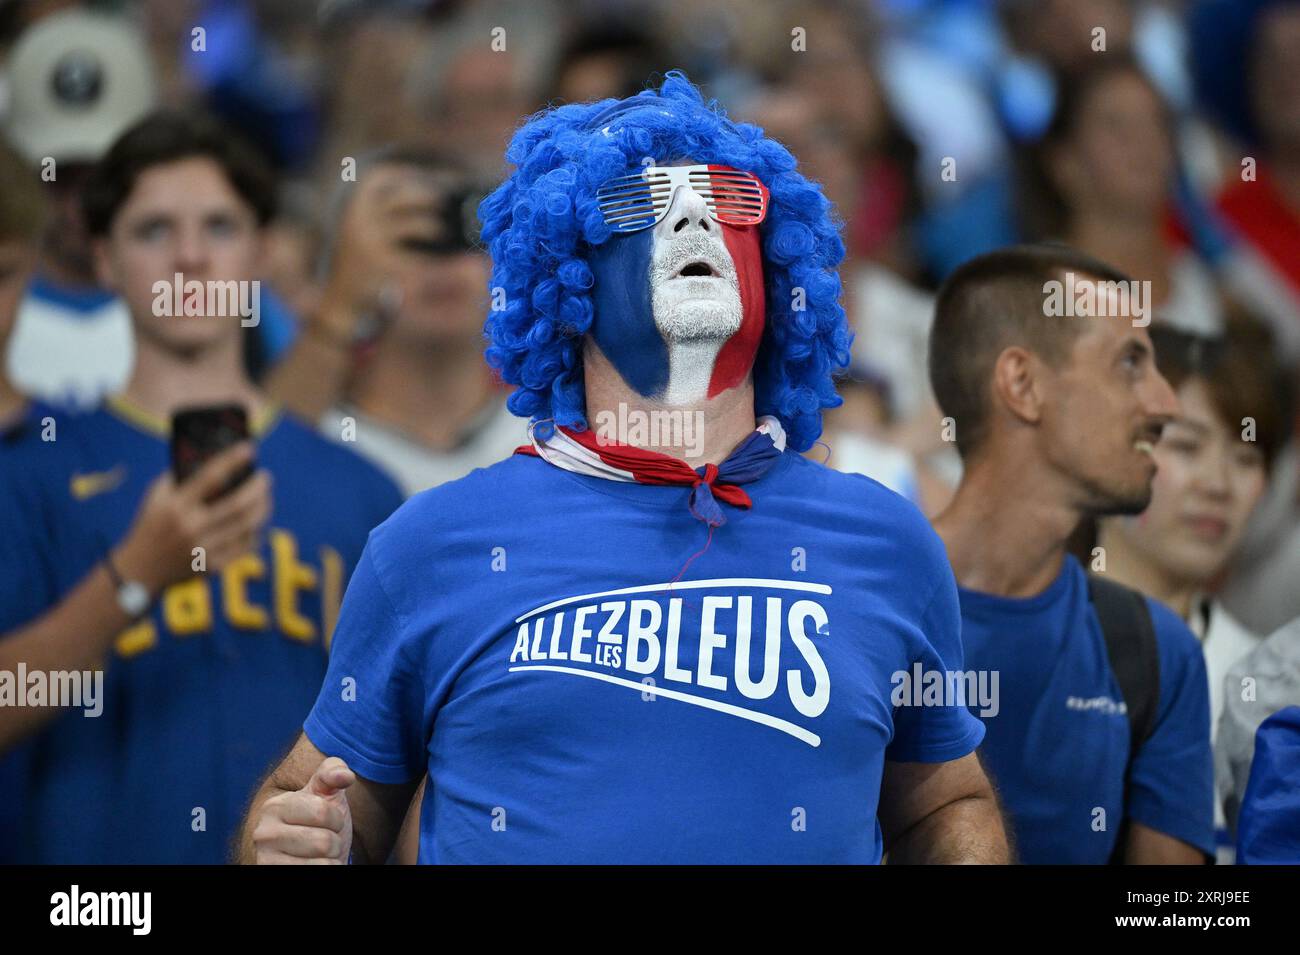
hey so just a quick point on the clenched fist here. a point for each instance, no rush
(312, 826)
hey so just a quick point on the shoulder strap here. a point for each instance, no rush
(1134, 657)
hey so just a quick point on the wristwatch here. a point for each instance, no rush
(132, 596)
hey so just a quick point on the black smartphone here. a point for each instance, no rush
(199, 434)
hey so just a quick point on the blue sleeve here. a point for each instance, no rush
(28, 584)
(27, 589)
(936, 734)
(1172, 782)
(1269, 824)
(370, 710)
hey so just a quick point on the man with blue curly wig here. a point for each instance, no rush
(657, 633)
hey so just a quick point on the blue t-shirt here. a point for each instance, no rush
(514, 636)
(1059, 742)
(207, 692)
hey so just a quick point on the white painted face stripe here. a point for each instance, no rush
(694, 318)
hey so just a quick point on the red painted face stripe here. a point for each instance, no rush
(736, 357)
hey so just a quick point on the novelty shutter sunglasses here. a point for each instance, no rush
(640, 200)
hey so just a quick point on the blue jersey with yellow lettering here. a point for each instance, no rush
(204, 694)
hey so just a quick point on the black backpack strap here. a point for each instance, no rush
(1130, 636)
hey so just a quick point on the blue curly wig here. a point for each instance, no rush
(542, 222)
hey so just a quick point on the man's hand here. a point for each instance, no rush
(175, 518)
(312, 826)
(372, 267)
(311, 809)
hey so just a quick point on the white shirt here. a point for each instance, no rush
(1274, 666)
(892, 334)
(67, 352)
(890, 465)
(491, 437)
(1225, 642)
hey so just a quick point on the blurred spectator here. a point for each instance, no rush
(23, 210)
(1247, 59)
(1259, 685)
(293, 248)
(250, 82)
(1246, 56)
(1054, 39)
(1212, 472)
(211, 636)
(866, 163)
(1260, 588)
(854, 432)
(481, 75)
(600, 59)
(1101, 178)
(371, 56)
(1016, 64)
(76, 80)
(421, 404)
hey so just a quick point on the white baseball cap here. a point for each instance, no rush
(75, 82)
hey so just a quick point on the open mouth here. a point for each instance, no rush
(1146, 440)
(697, 268)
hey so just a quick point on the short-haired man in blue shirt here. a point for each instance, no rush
(1040, 357)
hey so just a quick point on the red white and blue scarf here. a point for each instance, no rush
(582, 452)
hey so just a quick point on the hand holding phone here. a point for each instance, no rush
(201, 433)
(175, 518)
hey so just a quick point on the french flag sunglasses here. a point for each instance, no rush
(639, 200)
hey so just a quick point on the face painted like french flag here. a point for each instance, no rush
(679, 306)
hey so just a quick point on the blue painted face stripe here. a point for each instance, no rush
(623, 325)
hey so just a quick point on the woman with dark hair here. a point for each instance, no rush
(1101, 178)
